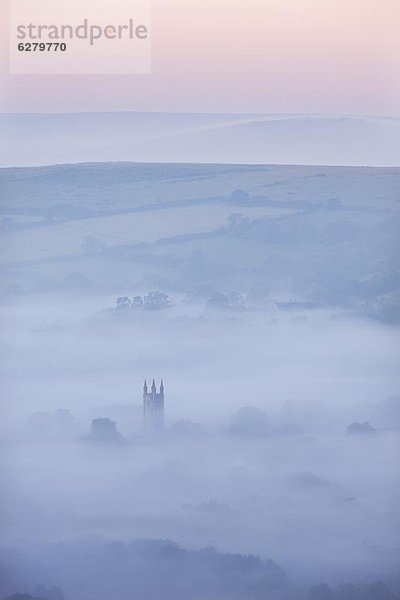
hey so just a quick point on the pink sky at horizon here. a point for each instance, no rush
(239, 56)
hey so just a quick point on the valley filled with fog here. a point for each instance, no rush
(267, 298)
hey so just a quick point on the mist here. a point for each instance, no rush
(286, 139)
(266, 298)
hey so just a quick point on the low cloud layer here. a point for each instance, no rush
(270, 314)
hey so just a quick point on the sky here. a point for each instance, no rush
(239, 56)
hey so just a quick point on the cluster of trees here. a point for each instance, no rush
(104, 430)
(45, 426)
(360, 428)
(25, 597)
(152, 301)
(249, 422)
(185, 428)
(328, 260)
(61, 426)
(288, 232)
(40, 592)
(349, 591)
(128, 570)
(386, 308)
(257, 297)
(376, 590)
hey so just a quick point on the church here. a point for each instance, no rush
(153, 407)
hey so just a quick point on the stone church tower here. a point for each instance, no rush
(153, 407)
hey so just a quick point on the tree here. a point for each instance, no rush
(123, 302)
(29, 597)
(321, 592)
(378, 591)
(187, 428)
(249, 422)
(156, 301)
(52, 593)
(360, 428)
(218, 301)
(104, 430)
(236, 220)
(40, 426)
(235, 300)
(64, 424)
(346, 591)
(137, 302)
(43, 426)
(258, 295)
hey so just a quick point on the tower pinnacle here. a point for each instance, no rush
(153, 407)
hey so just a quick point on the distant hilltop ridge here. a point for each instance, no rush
(342, 140)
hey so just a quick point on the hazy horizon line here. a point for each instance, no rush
(189, 164)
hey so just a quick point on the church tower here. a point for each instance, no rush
(153, 407)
